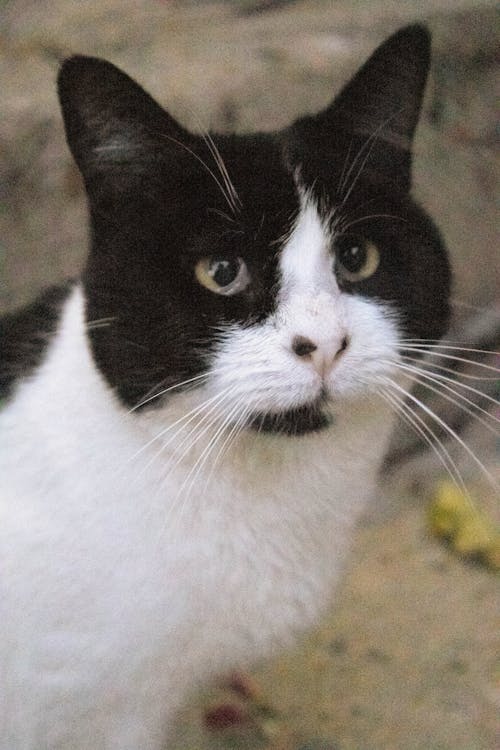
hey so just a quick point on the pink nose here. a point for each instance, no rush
(322, 357)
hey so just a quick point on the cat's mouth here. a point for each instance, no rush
(293, 422)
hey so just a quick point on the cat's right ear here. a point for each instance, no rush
(110, 121)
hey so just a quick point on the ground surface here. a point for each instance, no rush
(408, 658)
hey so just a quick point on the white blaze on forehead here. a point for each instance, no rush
(306, 260)
(310, 303)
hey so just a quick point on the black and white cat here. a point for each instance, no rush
(192, 429)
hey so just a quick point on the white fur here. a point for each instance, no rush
(127, 577)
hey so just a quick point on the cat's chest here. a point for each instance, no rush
(140, 541)
(133, 543)
(223, 577)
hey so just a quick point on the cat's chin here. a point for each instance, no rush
(294, 422)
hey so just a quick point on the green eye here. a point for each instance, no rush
(222, 275)
(356, 259)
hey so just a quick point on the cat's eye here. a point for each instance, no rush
(222, 275)
(356, 258)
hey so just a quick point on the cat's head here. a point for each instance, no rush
(288, 265)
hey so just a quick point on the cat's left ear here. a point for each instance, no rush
(380, 105)
(385, 96)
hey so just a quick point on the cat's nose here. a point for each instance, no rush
(321, 356)
(302, 346)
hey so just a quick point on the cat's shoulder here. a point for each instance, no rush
(25, 334)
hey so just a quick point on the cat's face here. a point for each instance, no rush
(286, 266)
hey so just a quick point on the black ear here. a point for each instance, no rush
(372, 121)
(385, 96)
(110, 119)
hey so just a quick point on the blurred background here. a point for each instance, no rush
(408, 658)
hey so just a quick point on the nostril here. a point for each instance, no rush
(302, 346)
(343, 346)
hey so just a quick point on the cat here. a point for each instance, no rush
(191, 429)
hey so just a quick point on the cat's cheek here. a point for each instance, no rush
(259, 372)
(374, 341)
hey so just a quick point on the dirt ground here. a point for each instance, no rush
(408, 657)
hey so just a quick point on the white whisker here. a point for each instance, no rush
(197, 467)
(174, 503)
(219, 161)
(421, 343)
(207, 415)
(222, 188)
(371, 141)
(183, 383)
(423, 430)
(222, 169)
(453, 357)
(458, 383)
(350, 224)
(445, 427)
(417, 376)
(100, 323)
(211, 414)
(368, 143)
(435, 366)
(222, 214)
(238, 426)
(183, 421)
(183, 448)
(344, 167)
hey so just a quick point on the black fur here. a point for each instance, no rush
(304, 419)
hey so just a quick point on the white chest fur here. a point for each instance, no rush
(119, 592)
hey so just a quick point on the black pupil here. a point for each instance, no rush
(224, 271)
(351, 253)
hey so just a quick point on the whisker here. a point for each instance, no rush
(223, 169)
(458, 383)
(409, 344)
(100, 322)
(263, 218)
(419, 377)
(423, 430)
(219, 161)
(345, 197)
(346, 161)
(222, 214)
(345, 227)
(442, 381)
(446, 344)
(446, 428)
(205, 166)
(183, 421)
(194, 429)
(368, 143)
(180, 424)
(147, 398)
(197, 468)
(237, 428)
(452, 357)
(443, 368)
(205, 452)
(175, 501)
(178, 455)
